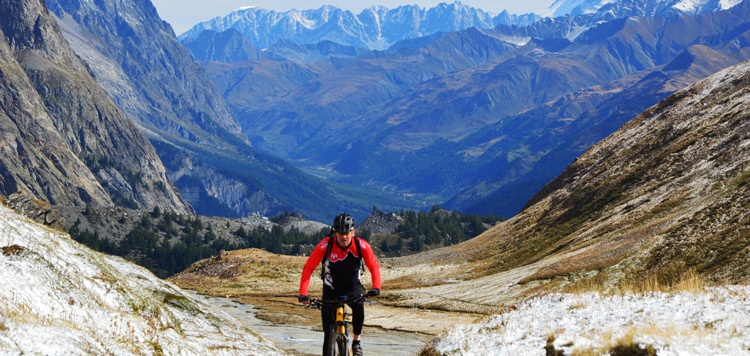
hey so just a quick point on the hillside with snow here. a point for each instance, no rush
(710, 322)
(59, 297)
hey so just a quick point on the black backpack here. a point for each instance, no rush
(331, 241)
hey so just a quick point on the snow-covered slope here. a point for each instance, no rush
(711, 323)
(60, 298)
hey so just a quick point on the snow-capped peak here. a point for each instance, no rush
(573, 7)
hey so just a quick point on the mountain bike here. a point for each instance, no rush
(338, 335)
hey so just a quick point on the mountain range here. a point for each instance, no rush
(374, 28)
(476, 120)
(379, 28)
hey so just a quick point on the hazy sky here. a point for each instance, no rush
(183, 14)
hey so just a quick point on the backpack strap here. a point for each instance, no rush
(331, 241)
(359, 249)
(328, 250)
(361, 259)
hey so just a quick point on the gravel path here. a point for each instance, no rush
(304, 340)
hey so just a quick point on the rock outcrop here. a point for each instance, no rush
(35, 209)
(381, 223)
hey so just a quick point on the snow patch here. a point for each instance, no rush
(711, 323)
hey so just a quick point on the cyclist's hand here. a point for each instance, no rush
(304, 299)
(373, 293)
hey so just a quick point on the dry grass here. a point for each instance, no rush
(689, 281)
(596, 283)
(244, 272)
(595, 257)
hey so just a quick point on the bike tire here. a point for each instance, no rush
(341, 345)
(331, 343)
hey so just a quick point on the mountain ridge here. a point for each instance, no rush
(374, 28)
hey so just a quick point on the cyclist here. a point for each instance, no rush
(342, 256)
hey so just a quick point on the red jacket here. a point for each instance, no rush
(343, 265)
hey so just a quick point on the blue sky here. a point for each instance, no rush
(183, 14)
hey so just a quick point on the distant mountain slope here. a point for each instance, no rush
(573, 124)
(146, 71)
(374, 28)
(468, 117)
(665, 193)
(649, 7)
(570, 18)
(64, 140)
(59, 297)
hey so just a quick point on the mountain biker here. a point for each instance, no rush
(341, 274)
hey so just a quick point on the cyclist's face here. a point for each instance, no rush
(344, 239)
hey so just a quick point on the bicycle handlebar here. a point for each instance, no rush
(318, 303)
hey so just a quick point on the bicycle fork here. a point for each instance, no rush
(340, 325)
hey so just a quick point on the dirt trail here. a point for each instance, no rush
(301, 339)
(260, 288)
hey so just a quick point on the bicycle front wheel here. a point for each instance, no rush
(331, 342)
(341, 343)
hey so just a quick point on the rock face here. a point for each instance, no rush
(381, 223)
(148, 74)
(63, 140)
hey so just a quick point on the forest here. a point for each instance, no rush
(166, 243)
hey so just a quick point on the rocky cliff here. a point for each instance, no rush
(64, 140)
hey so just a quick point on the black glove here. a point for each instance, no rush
(303, 299)
(373, 292)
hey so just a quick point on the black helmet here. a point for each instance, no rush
(343, 223)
